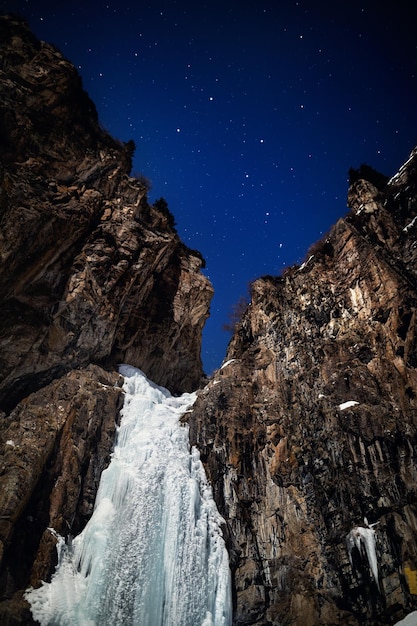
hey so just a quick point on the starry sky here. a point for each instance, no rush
(246, 115)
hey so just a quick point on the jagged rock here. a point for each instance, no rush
(308, 431)
(89, 271)
(53, 449)
(91, 275)
(310, 425)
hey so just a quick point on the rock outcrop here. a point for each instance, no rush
(89, 271)
(54, 446)
(91, 275)
(308, 430)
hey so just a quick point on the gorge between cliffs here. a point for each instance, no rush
(306, 433)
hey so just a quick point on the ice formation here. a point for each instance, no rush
(152, 554)
(364, 540)
(409, 620)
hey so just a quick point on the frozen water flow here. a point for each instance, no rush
(364, 540)
(152, 553)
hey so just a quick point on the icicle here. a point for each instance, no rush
(364, 541)
(152, 553)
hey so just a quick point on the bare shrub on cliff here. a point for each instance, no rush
(143, 180)
(368, 173)
(162, 206)
(322, 247)
(237, 311)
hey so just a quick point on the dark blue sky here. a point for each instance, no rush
(246, 115)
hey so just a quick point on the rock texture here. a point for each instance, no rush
(89, 271)
(308, 431)
(54, 446)
(91, 275)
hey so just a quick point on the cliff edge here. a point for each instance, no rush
(90, 271)
(308, 430)
(91, 275)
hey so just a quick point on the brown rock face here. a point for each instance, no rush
(89, 271)
(91, 275)
(308, 431)
(54, 446)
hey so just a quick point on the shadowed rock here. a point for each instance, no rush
(89, 271)
(91, 275)
(310, 426)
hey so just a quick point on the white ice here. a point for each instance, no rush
(364, 540)
(347, 405)
(152, 554)
(410, 225)
(305, 263)
(227, 363)
(409, 620)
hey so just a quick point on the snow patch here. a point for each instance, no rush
(398, 175)
(305, 263)
(410, 225)
(347, 405)
(409, 620)
(227, 363)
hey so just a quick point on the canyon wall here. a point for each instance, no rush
(308, 430)
(91, 275)
(90, 271)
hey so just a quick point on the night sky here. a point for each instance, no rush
(246, 115)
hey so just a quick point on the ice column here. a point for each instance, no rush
(364, 540)
(152, 554)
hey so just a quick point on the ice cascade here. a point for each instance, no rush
(363, 539)
(152, 553)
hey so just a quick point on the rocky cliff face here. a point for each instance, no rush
(91, 275)
(89, 271)
(308, 431)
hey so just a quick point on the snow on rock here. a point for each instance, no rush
(227, 363)
(305, 263)
(409, 620)
(347, 405)
(410, 225)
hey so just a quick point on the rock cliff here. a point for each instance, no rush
(91, 275)
(308, 430)
(90, 272)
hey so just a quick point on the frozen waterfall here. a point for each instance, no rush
(152, 554)
(364, 541)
